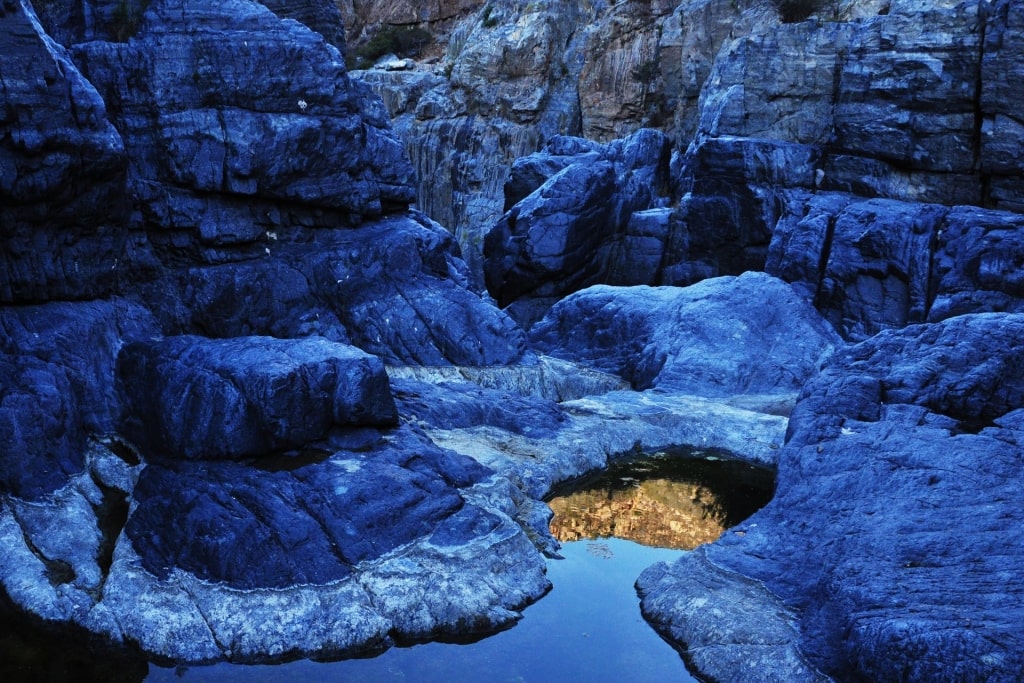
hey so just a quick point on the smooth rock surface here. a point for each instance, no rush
(890, 539)
(723, 336)
(197, 398)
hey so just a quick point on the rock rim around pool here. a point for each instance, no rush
(890, 550)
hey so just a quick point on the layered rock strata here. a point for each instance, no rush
(197, 458)
(504, 77)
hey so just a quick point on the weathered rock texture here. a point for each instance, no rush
(901, 440)
(205, 235)
(858, 159)
(198, 398)
(879, 108)
(581, 213)
(62, 169)
(515, 74)
(198, 201)
(901, 100)
(251, 124)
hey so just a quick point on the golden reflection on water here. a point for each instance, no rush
(663, 501)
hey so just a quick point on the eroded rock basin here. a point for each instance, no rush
(612, 524)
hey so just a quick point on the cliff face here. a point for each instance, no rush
(829, 154)
(514, 74)
(899, 100)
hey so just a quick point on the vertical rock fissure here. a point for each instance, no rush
(826, 252)
(979, 113)
(931, 281)
(111, 518)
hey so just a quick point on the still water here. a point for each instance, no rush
(612, 526)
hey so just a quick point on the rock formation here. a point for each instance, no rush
(903, 438)
(205, 234)
(253, 406)
(512, 75)
(724, 336)
(581, 213)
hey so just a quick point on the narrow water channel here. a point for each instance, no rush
(612, 526)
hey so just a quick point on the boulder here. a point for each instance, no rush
(723, 336)
(564, 234)
(382, 534)
(870, 268)
(890, 539)
(197, 398)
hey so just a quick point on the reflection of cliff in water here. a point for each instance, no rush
(678, 499)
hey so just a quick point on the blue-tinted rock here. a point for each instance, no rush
(881, 264)
(203, 123)
(62, 171)
(42, 434)
(336, 550)
(323, 16)
(58, 360)
(291, 521)
(395, 288)
(891, 539)
(563, 235)
(729, 335)
(867, 263)
(978, 263)
(192, 397)
(455, 405)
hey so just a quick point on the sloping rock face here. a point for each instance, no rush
(62, 172)
(59, 363)
(902, 439)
